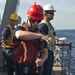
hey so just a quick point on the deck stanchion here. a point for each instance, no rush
(69, 55)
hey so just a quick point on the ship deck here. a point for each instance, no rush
(57, 70)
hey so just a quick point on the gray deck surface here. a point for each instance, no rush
(57, 70)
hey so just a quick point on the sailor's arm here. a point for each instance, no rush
(26, 35)
(40, 61)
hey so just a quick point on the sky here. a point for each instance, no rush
(64, 17)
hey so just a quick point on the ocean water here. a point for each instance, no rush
(70, 35)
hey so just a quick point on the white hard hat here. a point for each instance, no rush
(48, 7)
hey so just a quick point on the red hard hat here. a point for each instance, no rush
(35, 12)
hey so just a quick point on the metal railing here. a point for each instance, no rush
(64, 56)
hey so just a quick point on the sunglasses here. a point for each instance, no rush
(33, 21)
(50, 13)
(47, 12)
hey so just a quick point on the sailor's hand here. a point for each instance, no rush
(44, 37)
(39, 62)
(47, 38)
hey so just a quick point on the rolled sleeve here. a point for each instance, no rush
(43, 27)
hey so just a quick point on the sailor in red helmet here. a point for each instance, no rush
(35, 15)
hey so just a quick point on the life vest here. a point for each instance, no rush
(26, 52)
(51, 45)
(4, 45)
